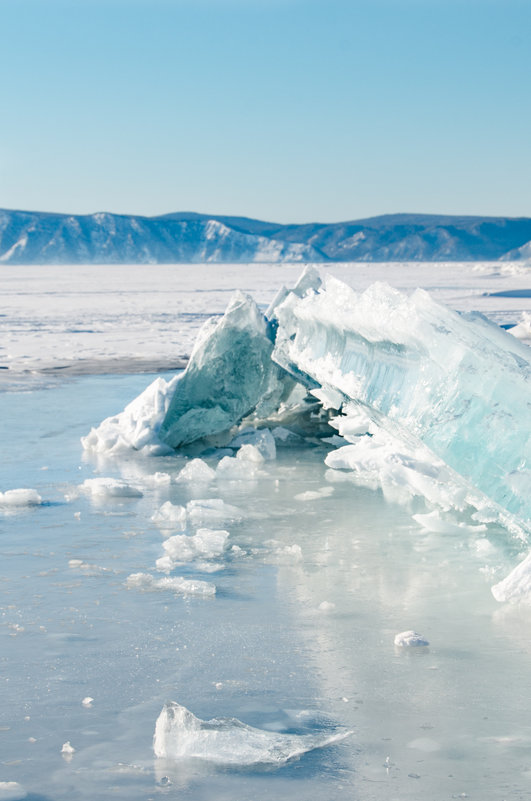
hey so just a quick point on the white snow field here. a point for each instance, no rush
(336, 605)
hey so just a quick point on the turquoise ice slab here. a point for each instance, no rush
(229, 375)
(457, 382)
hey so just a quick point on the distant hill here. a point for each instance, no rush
(28, 237)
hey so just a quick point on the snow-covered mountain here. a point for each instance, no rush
(45, 238)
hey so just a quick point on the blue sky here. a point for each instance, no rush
(287, 110)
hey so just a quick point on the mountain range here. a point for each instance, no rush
(28, 237)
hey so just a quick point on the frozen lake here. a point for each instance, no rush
(310, 590)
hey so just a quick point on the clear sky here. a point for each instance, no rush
(286, 110)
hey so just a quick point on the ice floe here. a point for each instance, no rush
(179, 735)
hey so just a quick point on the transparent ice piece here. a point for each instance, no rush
(179, 734)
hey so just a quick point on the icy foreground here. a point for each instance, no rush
(179, 734)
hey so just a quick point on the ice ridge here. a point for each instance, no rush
(421, 396)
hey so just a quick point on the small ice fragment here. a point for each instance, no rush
(11, 791)
(68, 751)
(16, 627)
(197, 471)
(178, 585)
(165, 564)
(522, 330)
(483, 546)
(77, 515)
(170, 516)
(410, 639)
(326, 606)
(107, 487)
(212, 510)
(262, 439)
(87, 702)
(250, 453)
(516, 586)
(314, 495)
(232, 469)
(157, 479)
(330, 398)
(32, 740)
(281, 554)
(227, 741)
(433, 521)
(284, 436)
(205, 543)
(20, 497)
(75, 563)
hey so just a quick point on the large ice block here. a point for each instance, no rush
(457, 382)
(230, 374)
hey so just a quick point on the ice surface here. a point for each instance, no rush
(20, 497)
(179, 734)
(306, 620)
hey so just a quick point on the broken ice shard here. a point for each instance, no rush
(179, 734)
(230, 374)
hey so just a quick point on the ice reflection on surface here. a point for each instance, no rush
(289, 643)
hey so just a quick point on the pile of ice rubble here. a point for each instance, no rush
(424, 403)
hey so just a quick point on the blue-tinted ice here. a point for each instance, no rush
(445, 396)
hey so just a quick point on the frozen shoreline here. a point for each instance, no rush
(95, 366)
